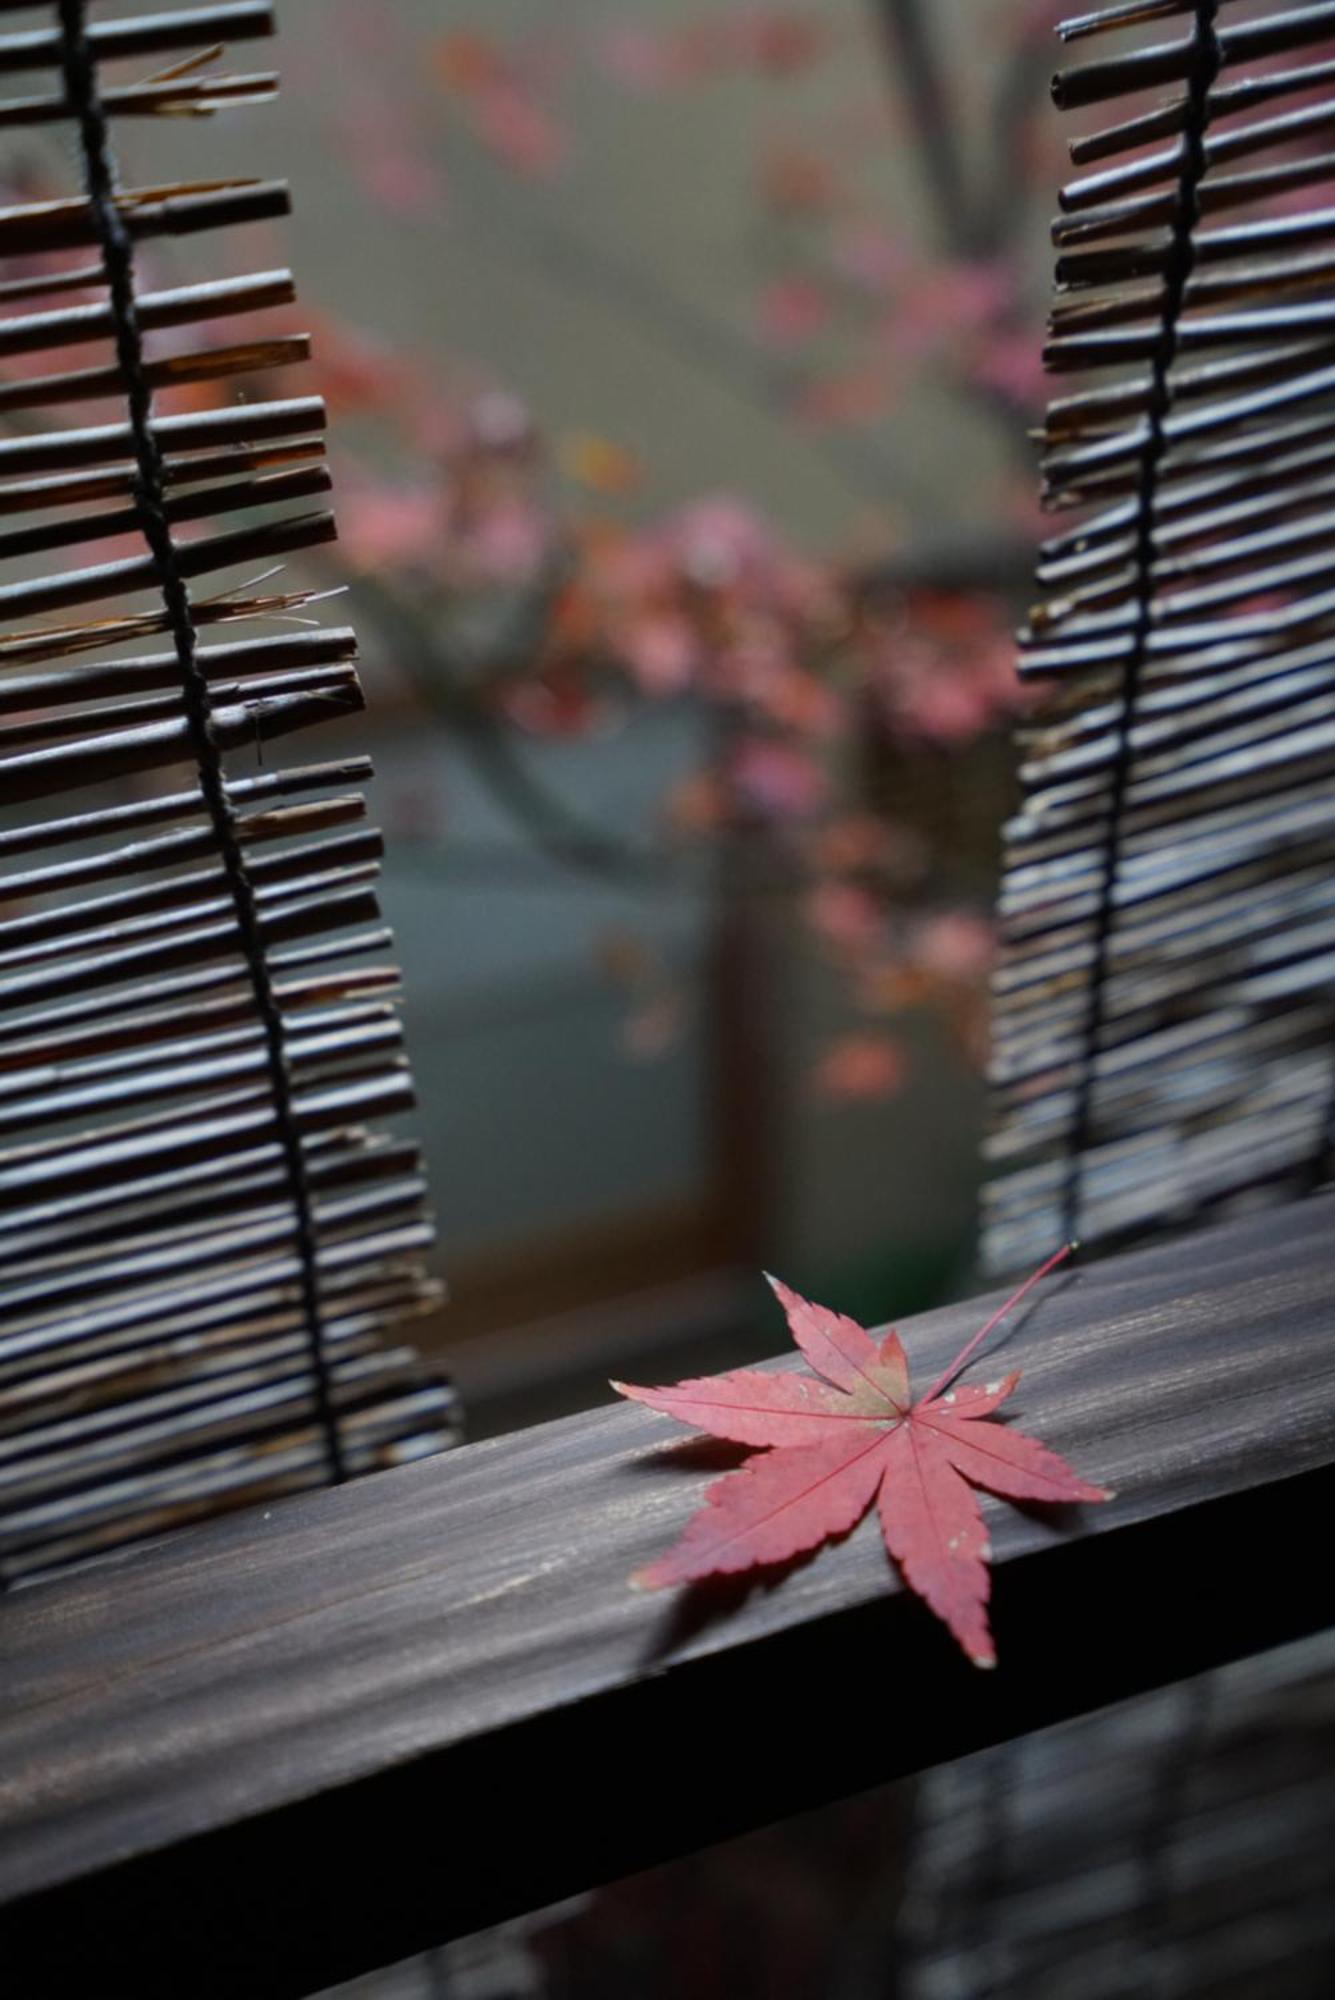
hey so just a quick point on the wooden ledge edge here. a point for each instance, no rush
(293, 1775)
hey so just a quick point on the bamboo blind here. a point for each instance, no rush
(1163, 1010)
(207, 1231)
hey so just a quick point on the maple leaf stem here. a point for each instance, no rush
(953, 1368)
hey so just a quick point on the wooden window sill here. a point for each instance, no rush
(280, 1749)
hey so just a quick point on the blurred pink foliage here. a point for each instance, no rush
(463, 518)
(866, 1066)
(774, 41)
(791, 310)
(942, 666)
(819, 690)
(505, 101)
(802, 664)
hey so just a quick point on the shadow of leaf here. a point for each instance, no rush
(1013, 1326)
(713, 1599)
(693, 1454)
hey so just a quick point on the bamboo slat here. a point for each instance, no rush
(208, 1235)
(1164, 1001)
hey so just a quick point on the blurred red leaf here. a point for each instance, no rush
(778, 780)
(560, 704)
(792, 310)
(869, 257)
(661, 650)
(848, 1435)
(776, 41)
(696, 805)
(1011, 363)
(382, 525)
(466, 61)
(794, 180)
(655, 1026)
(518, 130)
(861, 1068)
(781, 40)
(956, 944)
(507, 115)
(844, 915)
(640, 58)
(854, 398)
(401, 181)
(599, 462)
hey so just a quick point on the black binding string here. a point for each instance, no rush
(1181, 256)
(82, 92)
(1322, 1162)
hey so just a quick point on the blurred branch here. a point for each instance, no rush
(456, 693)
(997, 563)
(971, 229)
(1024, 80)
(488, 741)
(913, 56)
(507, 224)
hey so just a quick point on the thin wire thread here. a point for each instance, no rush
(82, 91)
(1318, 1169)
(1181, 257)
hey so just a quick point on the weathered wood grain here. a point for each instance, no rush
(285, 1746)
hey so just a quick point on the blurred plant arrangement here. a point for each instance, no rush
(520, 619)
(520, 585)
(531, 597)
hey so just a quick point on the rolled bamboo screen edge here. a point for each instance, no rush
(205, 1235)
(1164, 1006)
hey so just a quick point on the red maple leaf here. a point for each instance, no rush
(837, 1444)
